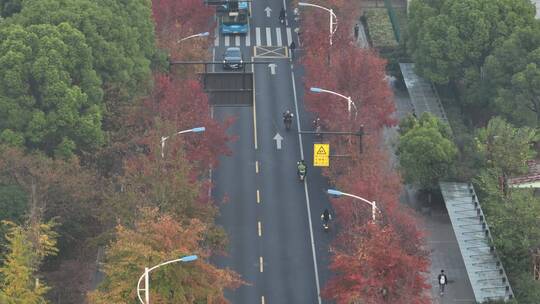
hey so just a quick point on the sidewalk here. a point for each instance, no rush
(440, 239)
(444, 251)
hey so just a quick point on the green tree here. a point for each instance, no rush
(451, 37)
(513, 75)
(49, 93)
(26, 249)
(9, 7)
(61, 89)
(426, 151)
(154, 239)
(13, 203)
(119, 33)
(514, 222)
(506, 147)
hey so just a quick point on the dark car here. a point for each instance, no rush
(232, 59)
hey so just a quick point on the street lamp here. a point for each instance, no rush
(193, 36)
(164, 138)
(333, 18)
(146, 277)
(348, 98)
(339, 193)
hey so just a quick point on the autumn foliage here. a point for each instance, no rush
(176, 105)
(381, 262)
(156, 238)
(175, 19)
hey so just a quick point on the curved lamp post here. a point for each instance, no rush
(164, 138)
(348, 98)
(193, 36)
(339, 193)
(146, 277)
(333, 18)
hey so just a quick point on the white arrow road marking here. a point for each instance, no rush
(268, 10)
(272, 67)
(278, 140)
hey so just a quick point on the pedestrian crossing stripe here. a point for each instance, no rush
(270, 52)
(264, 36)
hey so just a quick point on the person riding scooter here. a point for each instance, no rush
(326, 217)
(301, 169)
(282, 15)
(287, 119)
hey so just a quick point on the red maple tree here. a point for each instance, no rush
(180, 105)
(375, 263)
(180, 17)
(375, 267)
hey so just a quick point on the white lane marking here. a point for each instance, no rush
(248, 37)
(261, 268)
(259, 228)
(237, 40)
(256, 166)
(289, 36)
(268, 36)
(278, 36)
(306, 192)
(227, 40)
(258, 197)
(257, 36)
(262, 299)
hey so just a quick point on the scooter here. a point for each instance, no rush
(326, 225)
(302, 175)
(326, 222)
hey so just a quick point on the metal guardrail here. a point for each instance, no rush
(485, 270)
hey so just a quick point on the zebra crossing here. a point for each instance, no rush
(264, 36)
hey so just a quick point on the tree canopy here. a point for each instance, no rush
(512, 72)
(50, 96)
(67, 67)
(449, 38)
(154, 239)
(505, 146)
(27, 246)
(426, 151)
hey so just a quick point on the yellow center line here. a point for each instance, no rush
(254, 109)
(257, 166)
(259, 228)
(261, 264)
(258, 197)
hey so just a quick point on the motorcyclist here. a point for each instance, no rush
(316, 123)
(287, 118)
(301, 167)
(282, 15)
(325, 216)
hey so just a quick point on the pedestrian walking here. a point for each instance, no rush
(443, 280)
(292, 47)
(356, 31)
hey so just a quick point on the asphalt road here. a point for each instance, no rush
(276, 240)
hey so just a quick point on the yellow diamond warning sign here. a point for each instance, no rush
(321, 155)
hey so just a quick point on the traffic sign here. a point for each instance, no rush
(321, 155)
